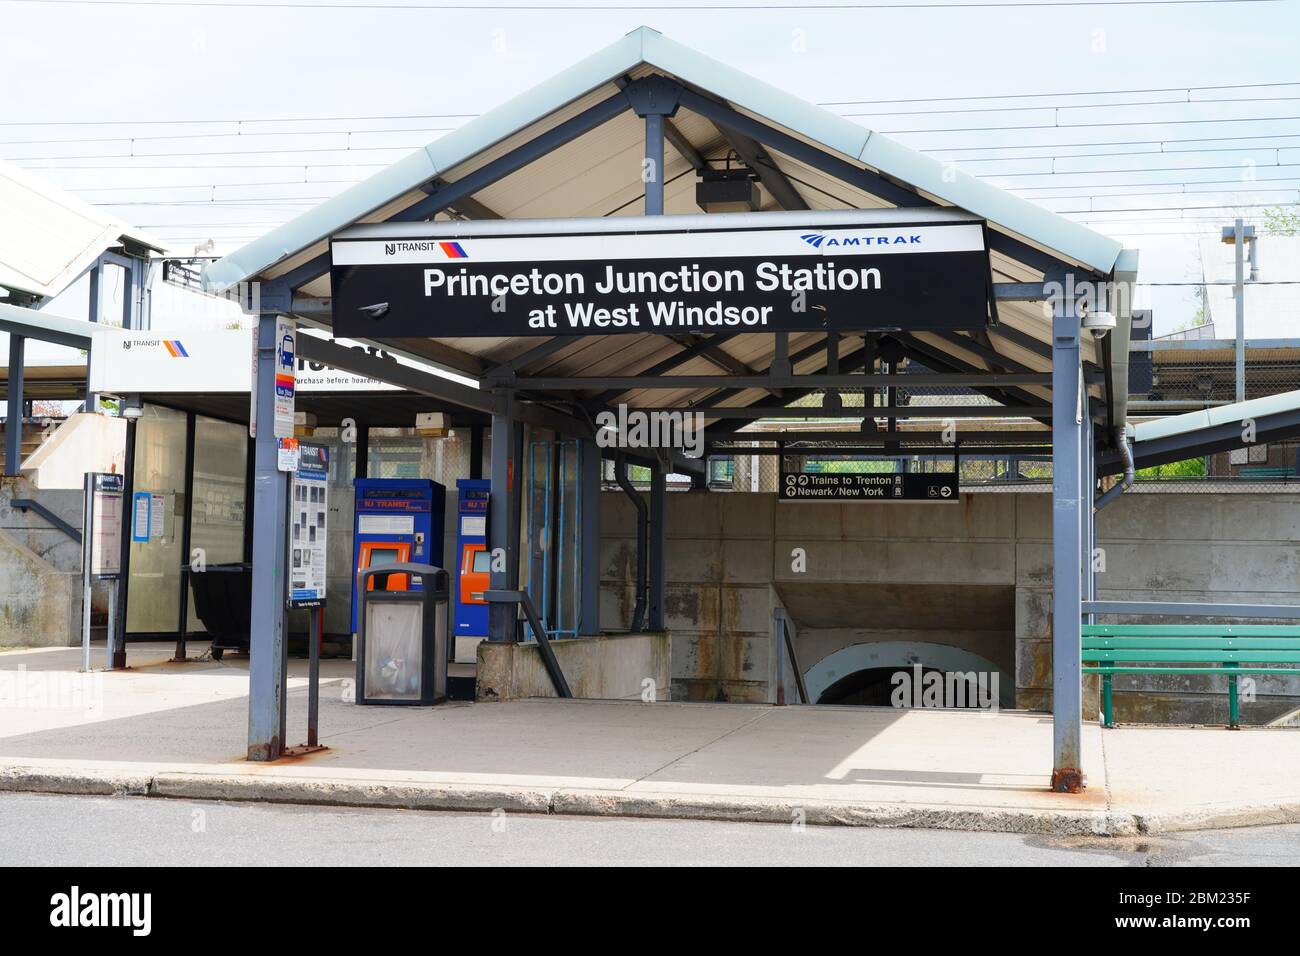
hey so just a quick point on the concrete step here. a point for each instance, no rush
(1289, 719)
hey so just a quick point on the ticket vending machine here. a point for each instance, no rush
(395, 520)
(473, 564)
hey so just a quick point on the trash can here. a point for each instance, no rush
(223, 595)
(402, 644)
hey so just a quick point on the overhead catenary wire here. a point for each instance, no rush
(1262, 142)
(379, 117)
(315, 5)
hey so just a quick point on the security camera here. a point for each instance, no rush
(1099, 323)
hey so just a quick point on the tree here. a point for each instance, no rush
(1282, 221)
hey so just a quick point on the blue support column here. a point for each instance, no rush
(658, 545)
(589, 548)
(267, 658)
(94, 308)
(654, 99)
(654, 164)
(503, 523)
(94, 305)
(1087, 494)
(128, 296)
(14, 421)
(1068, 405)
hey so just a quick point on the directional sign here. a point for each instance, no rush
(797, 485)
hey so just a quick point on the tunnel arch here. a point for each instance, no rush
(900, 655)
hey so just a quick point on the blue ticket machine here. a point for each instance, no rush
(473, 557)
(396, 520)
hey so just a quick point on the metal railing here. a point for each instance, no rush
(31, 504)
(783, 646)
(524, 602)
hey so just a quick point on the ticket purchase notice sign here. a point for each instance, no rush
(852, 278)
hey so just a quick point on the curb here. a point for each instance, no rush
(1220, 818)
(347, 793)
(622, 803)
(835, 813)
(102, 783)
(567, 802)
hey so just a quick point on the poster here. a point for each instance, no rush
(286, 454)
(140, 516)
(308, 526)
(106, 522)
(286, 370)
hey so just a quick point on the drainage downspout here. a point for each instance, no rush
(642, 564)
(1130, 471)
(1123, 279)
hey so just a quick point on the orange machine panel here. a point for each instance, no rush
(378, 553)
(475, 563)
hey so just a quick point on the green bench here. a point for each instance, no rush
(1264, 472)
(1188, 649)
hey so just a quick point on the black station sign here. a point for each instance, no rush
(847, 278)
(798, 485)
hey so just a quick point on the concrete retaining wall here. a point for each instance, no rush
(604, 668)
(40, 570)
(975, 575)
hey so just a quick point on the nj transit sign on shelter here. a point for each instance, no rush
(848, 277)
(214, 360)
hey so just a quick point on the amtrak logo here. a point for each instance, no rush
(818, 239)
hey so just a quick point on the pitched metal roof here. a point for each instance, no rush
(48, 236)
(598, 174)
(580, 180)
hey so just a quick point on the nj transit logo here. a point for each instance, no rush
(172, 347)
(452, 250)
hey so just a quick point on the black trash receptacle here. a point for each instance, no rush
(402, 637)
(223, 595)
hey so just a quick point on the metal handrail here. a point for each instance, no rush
(31, 504)
(781, 622)
(521, 599)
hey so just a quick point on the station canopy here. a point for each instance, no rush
(572, 148)
(48, 237)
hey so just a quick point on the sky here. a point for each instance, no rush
(216, 121)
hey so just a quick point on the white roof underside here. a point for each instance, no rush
(599, 174)
(48, 237)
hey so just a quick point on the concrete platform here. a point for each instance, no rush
(178, 730)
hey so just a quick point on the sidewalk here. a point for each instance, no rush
(178, 730)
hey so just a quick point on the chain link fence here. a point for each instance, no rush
(1261, 469)
(1173, 380)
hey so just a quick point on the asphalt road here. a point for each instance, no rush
(40, 829)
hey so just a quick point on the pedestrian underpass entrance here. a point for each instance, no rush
(854, 639)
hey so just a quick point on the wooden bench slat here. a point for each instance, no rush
(1219, 671)
(1195, 657)
(1194, 643)
(1191, 630)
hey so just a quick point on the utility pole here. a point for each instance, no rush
(1238, 234)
